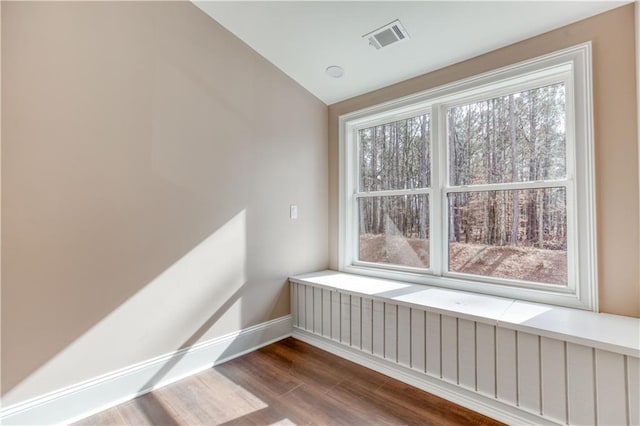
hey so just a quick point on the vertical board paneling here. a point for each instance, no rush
(302, 309)
(378, 328)
(335, 315)
(449, 348)
(317, 310)
(433, 344)
(611, 392)
(404, 336)
(529, 372)
(580, 386)
(390, 332)
(506, 372)
(554, 387)
(486, 359)
(308, 291)
(293, 288)
(367, 325)
(345, 318)
(355, 322)
(467, 353)
(326, 312)
(633, 389)
(418, 340)
(564, 382)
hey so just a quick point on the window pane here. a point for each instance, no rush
(489, 237)
(394, 230)
(514, 138)
(395, 155)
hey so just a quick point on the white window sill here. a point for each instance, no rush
(615, 333)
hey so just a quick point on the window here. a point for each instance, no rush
(484, 185)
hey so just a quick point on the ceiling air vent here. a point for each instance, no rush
(391, 33)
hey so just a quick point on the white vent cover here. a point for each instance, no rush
(391, 33)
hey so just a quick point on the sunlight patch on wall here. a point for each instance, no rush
(196, 299)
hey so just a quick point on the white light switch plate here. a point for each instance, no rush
(293, 211)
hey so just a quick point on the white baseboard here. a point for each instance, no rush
(488, 406)
(84, 399)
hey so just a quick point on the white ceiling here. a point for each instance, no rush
(303, 38)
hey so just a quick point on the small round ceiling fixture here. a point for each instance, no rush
(335, 71)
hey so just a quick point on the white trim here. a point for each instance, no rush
(571, 66)
(81, 400)
(466, 398)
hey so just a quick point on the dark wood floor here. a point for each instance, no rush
(289, 382)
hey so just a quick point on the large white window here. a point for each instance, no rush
(484, 184)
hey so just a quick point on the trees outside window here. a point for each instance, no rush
(484, 184)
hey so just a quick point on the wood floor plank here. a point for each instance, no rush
(288, 382)
(108, 417)
(310, 405)
(258, 374)
(149, 410)
(346, 370)
(430, 408)
(311, 367)
(188, 402)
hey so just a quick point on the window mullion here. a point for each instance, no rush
(438, 175)
(393, 192)
(514, 186)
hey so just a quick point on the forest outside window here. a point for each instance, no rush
(483, 185)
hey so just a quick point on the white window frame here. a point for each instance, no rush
(571, 66)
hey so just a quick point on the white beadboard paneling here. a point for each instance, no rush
(302, 308)
(449, 348)
(615, 333)
(326, 312)
(610, 388)
(418, 348)
(308, 291)
(529, 372)
(391, 331)
(633, 389)
(317, 310)
(554, 387)
(367, 325)
(486, 359)
(580, 384)
(467, 353)
(561, 380)
(355, 322)
(345, 318)
(335, 316)
(293, 288)
(404, 336)
(378, 328)
(506, 377)
(434, 353)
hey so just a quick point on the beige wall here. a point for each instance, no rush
(637, 23)
(148, 162)
(612, 35)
